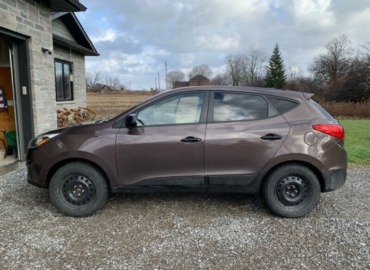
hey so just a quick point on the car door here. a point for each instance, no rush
(166, 147)
(244, 132)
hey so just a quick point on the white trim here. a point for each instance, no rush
(66, 102)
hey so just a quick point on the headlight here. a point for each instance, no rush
(39, 140)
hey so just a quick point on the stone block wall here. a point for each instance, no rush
(33, 19)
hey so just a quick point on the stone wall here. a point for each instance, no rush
(34, 19)
(79, 82)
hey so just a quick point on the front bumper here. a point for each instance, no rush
(334, 179)
(33, 175)
(34, 166)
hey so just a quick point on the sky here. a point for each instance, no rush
(136, 38)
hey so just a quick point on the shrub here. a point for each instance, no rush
(347, 110)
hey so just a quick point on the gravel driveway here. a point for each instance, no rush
(184, 231)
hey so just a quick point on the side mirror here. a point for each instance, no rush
(131, 121)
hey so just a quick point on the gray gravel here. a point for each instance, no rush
(184, 231)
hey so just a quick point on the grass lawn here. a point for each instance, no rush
(357, 141)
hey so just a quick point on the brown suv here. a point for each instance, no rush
(280, 144)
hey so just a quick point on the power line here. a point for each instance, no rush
(196, 18)
(182, 38)
(233, 21)
(237, 18)
(184, 34)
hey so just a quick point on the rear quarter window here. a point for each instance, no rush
(282, 105)
(321, 109)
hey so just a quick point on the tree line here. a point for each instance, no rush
(96, 79)
(340, 74)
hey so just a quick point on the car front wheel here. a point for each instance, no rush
(292, 190)
(78, 189)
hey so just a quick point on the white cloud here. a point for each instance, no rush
(313, 16)
(218, 43)
(108, 35)
(136, 37)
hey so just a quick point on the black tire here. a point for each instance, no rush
(291, 190)
(78, 189)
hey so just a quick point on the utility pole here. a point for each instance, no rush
(165, 65)
(159, 84)
(155, 83)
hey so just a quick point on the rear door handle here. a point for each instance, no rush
(191, 139)
(271, 137)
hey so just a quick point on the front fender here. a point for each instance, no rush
(62, 158)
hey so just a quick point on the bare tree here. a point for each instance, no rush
(173, 77)
(236, 67)
(204, 70)
(112, 81)
(294, 72)
(335, 62)
(257, 63)
(221, 79)
(92, 79)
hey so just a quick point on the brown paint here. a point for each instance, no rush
(229, 151)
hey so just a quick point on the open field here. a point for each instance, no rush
(357, 142)
(109, 105)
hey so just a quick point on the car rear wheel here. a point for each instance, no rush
(292, 190)
(78, 189)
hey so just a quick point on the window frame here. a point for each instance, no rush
(210, 113)
(203, 114)
(63, 62)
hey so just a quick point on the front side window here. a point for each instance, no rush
(179, 109)
(63, 83)
(240, 107)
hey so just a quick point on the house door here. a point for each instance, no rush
(16, 119)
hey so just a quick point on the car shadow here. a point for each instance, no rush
(188, 204)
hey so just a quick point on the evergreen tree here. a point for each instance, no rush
(275, 72)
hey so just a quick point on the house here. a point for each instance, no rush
(103, 88)
(180, 84)
(42, 64)
(197, 80)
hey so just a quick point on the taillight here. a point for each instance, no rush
(336, 131)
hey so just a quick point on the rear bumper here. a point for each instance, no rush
(334, 179)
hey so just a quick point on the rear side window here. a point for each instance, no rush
(239, 107)
(282, 105)
(321, 109)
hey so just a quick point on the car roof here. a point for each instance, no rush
(249, 89)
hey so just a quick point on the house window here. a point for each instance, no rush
(63, 80)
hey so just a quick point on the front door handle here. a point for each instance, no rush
(271, 137)
(191, 139)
